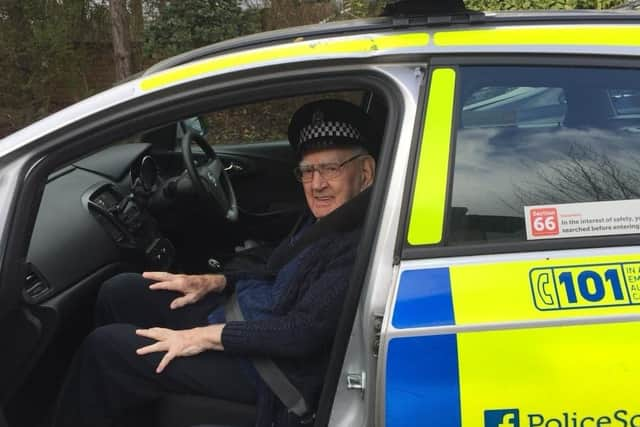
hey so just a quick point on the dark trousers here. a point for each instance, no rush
(107, 377)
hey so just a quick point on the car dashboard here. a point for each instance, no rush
(90, 218)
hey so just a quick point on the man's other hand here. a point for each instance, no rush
(193, 288)
(188, 342)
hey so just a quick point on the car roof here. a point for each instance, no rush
(558, 32)
(613, 32)
(402, 22)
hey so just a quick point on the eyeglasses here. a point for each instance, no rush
(328, 171)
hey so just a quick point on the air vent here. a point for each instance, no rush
(34, 285)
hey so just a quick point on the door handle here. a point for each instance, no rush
(234, 167)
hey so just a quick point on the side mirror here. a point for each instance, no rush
(195, 124)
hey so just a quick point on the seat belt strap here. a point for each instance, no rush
(270, 373)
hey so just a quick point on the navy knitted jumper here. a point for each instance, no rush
(297, 333)
(257, 296)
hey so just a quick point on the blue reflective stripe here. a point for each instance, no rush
(424, 299)
(422, 384)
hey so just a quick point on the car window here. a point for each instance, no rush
(545, 152)
(625, 102)
(262, 121)
(522, 106)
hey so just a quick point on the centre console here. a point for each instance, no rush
(126, 220)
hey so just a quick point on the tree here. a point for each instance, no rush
(42, 56)
(137, 33)
(121, 38)
(179, 26)
(583, 174)
(541, 4)
(291, 13)
(352, 9)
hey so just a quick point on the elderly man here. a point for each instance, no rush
(161, 333)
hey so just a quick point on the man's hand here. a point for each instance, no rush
(193, 287)
(188, 342)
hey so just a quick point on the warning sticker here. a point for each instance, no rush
(582, 219)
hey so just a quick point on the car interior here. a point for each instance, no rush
(211, 192)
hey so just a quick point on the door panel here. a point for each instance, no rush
(261, 173)
(265, 185)
(464, 328)
(23, 334)
(540, 334)
(269, 198)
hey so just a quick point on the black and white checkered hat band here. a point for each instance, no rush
(329, 129)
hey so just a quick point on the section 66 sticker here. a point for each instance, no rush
(585, 286)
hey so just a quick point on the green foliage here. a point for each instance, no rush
(541, 4)
(43, 52)
(360, 8)
(53, 52)
(357, 8)
(182, 25)
(292, 13)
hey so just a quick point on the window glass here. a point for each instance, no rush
(625, 102)
(530, 136)
(493, 106)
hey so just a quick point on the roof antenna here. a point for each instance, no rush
(424, 7)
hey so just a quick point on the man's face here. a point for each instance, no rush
(324, 195)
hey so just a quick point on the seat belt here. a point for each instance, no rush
(345, 218)
(271, 374)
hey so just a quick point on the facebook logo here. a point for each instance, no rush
(502, 418)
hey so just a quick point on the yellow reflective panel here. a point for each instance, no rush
(427, 211)
(570, 376)
(302, 49)
(546, 289)
(620, 35)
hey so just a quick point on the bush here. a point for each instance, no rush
(179, 26)
(541, 4)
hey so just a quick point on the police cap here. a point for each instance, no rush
(330, 123)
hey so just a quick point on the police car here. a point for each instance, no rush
(498, 277)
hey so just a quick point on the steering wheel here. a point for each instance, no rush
(210, 180)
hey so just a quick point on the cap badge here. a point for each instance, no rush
(317, 117)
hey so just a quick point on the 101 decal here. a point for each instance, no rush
(585, 286)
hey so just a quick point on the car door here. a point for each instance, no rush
(32, 325)
(515, 300)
